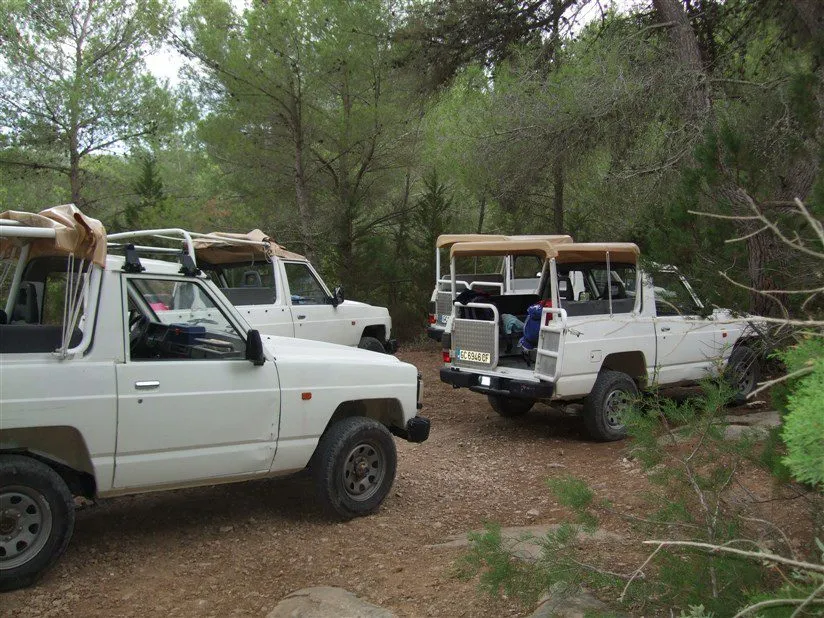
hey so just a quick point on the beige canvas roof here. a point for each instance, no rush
(563, 252)
(74, 234)
(557, 239)
(447, 240)
(625, 252)
(220, 248)
(540, 247)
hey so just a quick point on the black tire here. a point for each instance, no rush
(510, 406)
(354, 467)
(36, 520)
(743, 372)
(371, 344)
(602, 416)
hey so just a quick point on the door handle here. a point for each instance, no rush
(665, 329)
(301, 317)
(146, 385)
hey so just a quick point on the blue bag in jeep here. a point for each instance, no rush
(532, 325)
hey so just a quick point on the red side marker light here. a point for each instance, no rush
(306, 396)
(724, 333)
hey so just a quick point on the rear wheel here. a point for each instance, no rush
(605, 405)
(36, 519)
(743, 372)
(354, 466)
(371, 344)
(510, 406)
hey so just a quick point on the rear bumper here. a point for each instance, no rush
(506, 387)
(416, 430)
(434, 332)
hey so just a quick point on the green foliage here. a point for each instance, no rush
(79, 84)
(500, 572)
(803, 430)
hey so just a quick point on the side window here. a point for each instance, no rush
(250, 283)
(304, 287)
(586, 289)
(177, 319)
(671, 295)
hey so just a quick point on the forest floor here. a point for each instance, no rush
(239, 549)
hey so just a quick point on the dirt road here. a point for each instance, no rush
(238, 549)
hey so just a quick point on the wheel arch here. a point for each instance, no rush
(62, 448)
(386, 411)
(378, 331)
(632, 363)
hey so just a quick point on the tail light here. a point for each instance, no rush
(447, 356)
(432, 318)
(545, 304)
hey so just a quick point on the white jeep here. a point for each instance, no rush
(121, 375)
(606, 329)
(277, 291)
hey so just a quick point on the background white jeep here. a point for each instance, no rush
(278, 291)
(607, 330)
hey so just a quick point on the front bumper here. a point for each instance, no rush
(506, 387)
(416, 430)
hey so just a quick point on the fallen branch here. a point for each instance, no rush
(807, 566)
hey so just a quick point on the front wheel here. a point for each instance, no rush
(510, 406)
(371, 344)
(354, 467)
(743, 372)
(36, 519)
(604, 406)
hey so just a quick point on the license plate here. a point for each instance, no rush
(474, 357)
(442, 318)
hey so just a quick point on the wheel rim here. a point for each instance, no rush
(614, 405)
(364, 471)
(744, 376)
(25, 525)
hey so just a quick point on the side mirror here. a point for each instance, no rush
(337, 296)
(254, 348)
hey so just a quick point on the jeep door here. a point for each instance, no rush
(687, 347)
(312, 310)
(190, 406)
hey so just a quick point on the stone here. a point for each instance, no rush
(569, 601)
(736, 432)
(533, 513)
(524, 541)
(326, 602)
(765, 418)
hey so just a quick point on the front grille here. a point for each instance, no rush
(475, 336)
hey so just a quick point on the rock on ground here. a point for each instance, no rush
(326, 602)
(569, 601)
(755, 425)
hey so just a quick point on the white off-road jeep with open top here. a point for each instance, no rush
(278, 291)
(121, 375)
(602, 328)
(509, 274)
